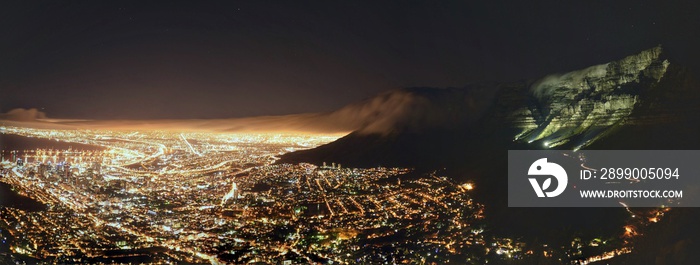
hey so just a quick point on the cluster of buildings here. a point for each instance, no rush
(168, 197)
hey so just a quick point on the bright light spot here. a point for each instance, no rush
(468, 186)
(630, 231)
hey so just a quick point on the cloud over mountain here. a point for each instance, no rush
(23, 115)
(415, 109)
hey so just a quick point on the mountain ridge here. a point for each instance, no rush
(569, 111)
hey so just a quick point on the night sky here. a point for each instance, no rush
(205, 59)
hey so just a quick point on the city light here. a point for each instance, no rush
(196, 193)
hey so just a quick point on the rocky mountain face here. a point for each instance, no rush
(576, 108)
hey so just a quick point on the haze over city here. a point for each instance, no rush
(334, 132)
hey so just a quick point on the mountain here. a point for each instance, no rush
(643, 101)
(573, 110)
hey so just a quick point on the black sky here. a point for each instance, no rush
(205, 59)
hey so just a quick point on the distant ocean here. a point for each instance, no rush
(10, 142)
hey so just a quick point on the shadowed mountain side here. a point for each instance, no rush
(433, 131)
(425, 150)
